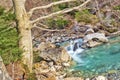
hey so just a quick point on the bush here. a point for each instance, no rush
(9, 49)
(85, 16)
(117, 7)
(1, 10)
(58, 23)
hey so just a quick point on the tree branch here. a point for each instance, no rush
(61, 12)
(45, 26)
(49, 5)
(44, 29)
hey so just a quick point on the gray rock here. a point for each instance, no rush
(100, 36)
(93, 43)
(57, 55)
(94, 39)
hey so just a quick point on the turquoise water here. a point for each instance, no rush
(100, 59)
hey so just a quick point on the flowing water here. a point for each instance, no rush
(100, 59)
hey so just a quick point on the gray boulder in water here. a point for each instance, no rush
(99, 36)
(94, 39)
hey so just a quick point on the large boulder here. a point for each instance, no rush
(100, 36)
(94, 39)
(50, 52)
(92, 43)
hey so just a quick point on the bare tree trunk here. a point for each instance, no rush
(24, 28)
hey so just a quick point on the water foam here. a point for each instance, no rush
(74, 49)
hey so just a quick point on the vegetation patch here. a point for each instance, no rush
(57, 23)
(86, 16)
(9, 49)
(117, 7)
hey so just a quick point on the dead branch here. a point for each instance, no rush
(49, 5)
(61, 12)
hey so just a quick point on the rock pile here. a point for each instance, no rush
(54, 61)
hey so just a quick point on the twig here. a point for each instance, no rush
(61, 12)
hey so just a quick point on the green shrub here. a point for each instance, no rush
(58, 23)
(85, 16)
(1, 10)
(9, 16)
(117, 7)
(9, 49)
(63, 6)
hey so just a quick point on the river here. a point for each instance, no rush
(97, 60)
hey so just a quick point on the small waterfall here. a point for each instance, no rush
(74, 49)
